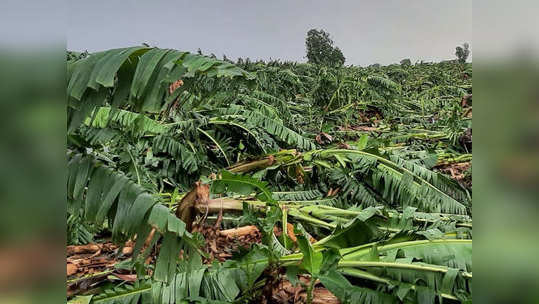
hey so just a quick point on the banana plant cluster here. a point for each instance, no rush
(347, 155)
(391, 256)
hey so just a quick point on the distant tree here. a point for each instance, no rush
(320, 49)
(462, 52)
(406, 62)
(338, 57)
(374, 65)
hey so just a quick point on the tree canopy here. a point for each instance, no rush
(320, 49)
(462, 52)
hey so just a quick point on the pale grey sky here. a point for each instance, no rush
(367, 31)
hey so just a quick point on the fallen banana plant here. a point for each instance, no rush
(387, 249)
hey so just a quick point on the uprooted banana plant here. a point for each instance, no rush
(366, 177)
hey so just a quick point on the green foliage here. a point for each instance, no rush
(365, 149)
(358, 231)
(320, 49)
(136, 77)
(79, 232)
(138, 292)
(311, 260)
(403, 266)
(368, 176)
(98, 193)
(241, 184)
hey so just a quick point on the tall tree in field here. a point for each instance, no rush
(462, 52)
(320, 49)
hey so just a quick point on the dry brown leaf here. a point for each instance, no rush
(213, 246)
(176, 84)
(290, 232)
(71, 269)
(344, 145)
(240, 231)
(127, 250)
(126, 277)
(330, 192)
(323, 138)
(90, 248)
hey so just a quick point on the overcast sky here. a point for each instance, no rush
(367, 31)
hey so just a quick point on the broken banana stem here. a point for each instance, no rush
(226, 204)
(230, 204)
(281, 157)
(240, 231)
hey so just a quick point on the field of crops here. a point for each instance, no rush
(198, 180)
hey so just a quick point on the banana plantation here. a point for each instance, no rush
(198, 180)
